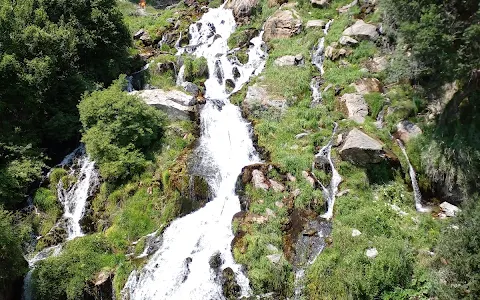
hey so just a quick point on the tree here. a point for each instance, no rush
(119, 130)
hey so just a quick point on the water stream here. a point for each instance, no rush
(417, 195)
(180, 268)
(318, 57)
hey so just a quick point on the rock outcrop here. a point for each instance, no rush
(377, 64)
(177, 105)
(355, 106)
(368, 85)
(407, 130)
(316, 23)
(283, 24)
(361, 149)
(242, 9)
(290, 60)
(257, 95)
(362, 30)
(347, 41)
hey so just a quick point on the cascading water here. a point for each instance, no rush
(74, 197)
(180, 268)
(318, 57)
(413, 176)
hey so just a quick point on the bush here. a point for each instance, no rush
(119, 130)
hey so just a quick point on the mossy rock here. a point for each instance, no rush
(231, 289)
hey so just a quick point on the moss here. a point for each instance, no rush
(55, 176)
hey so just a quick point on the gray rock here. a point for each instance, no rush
(449, 210)
(407, 130)
(356, 232)
(320, 3)
(377, 64)
(274, 258)
(371, 252)
(301, 135)
(316, 23)
(258, 95)
(258, 180)
(177, 105)
(138, 34)
(362, 30)
(290, 60)
(190, 88)
(368, 85)
(347, 41)
(272, 248)
(242, 9)
(356, 107)
(347, 7)
(361, 149)
(276, 186)
(283, 24)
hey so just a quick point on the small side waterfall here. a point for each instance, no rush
(180, 268)
(318, 57)
(322, 158)
(74, 197)
(413, 176)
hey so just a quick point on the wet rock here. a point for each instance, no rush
(377, 64)
(236, 73)
(231, 289)
(449, 210)
(257, 95)
(242, 9)
(274, 258)
(229, 85)
(191, 88)
(290, 60)
(356, 232)
(259, 180)
(57, 235)
(215, 261)
(320, 3)
(368, 85)
(283, 24)
(347, 41)
(146, 39)
(101, 287)
(177, 105)
(355, 106)
(362, 30)
(276, 186)
(316, 23)
(361, 149)
(138, 34)
(371, 252)
(407, 130)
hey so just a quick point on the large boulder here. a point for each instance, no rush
(368, 85)
(316, 23)
(320, 3)
(356, 107)
(257, 95)
(347, 41)
(407, 130)
(377, 64)
(242, 9)
(362, 30)
(283, 24)
(177, 105)
(290, 60)
(361, 149)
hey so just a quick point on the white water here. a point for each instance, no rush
(330, 192)
(318, 57)
(74, 197)
(417, 195)
(180, 268)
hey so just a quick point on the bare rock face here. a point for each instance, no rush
(316, 23)
(347, 41)
(377, 64)
(283, 24)
(356, 107)
(259, 180)
(362, 30)
(177, 105)
(407, 130)
(320, 3)
(242, 9)
(361, 149)
(368, 85)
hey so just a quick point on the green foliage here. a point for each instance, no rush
(12, 263)
(65, 276)
(375, 102)
(196, 69)
(119, 130)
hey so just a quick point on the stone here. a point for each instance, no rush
(242, 9)
(377, 64)
(436, 106)
(276, 186)
(145, 38)
(315, 23)
(272, 3)
(308, 178)
(361, 149)
(356, 232)
(258, 95)
(269, 212)
(164, 67)
(449, 210)
(230, 287)
(258, 180)
(279, 204)
(138, 34)
(346, 8)
(320, 3)
(290, 60)
(272, 248)
(274, 258)
(371, 252)
(407, 130)
(191, 88)
(362, 30)
(356, 107)
(297, 192)
(177, 105)
(347, 41)
(282, 24)
(291, 178)
(368, 85)
(301, 135)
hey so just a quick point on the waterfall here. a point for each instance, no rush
(324, 157)
(413, 176)
(74, 197)
(318, 57)
(180, 268)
